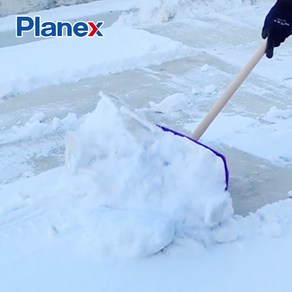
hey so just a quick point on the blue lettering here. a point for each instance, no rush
(23, 23)
(80, 29)
(48, 29)
(64, 28)
(37, 25)
(56, 29)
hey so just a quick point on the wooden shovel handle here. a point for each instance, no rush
(233, 86)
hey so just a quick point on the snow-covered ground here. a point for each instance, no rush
(127, 206)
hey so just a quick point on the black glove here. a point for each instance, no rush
(278, 25)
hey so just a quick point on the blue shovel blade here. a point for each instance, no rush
(221, 156)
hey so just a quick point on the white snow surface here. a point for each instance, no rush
(120, 49)
(134, 208)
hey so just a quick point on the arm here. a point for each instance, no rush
(278, 25)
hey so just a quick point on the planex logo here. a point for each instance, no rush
(47, 29)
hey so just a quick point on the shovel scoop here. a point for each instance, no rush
(219, 105)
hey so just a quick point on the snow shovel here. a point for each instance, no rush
(219, 105)
(71, 143)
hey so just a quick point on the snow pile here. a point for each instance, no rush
(119, 161)
(270, 221)
(159, 11)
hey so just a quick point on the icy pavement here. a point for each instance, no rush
(137, 209)
(222, 44)
(254, 181)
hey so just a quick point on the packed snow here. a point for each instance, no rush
(95, 196)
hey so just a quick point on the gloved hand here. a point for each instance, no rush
(278, 25)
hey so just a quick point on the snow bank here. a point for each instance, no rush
(163, 9)
(73, 12)
(61, 60)
(159, 11)
(123, 162)
(19, 6)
